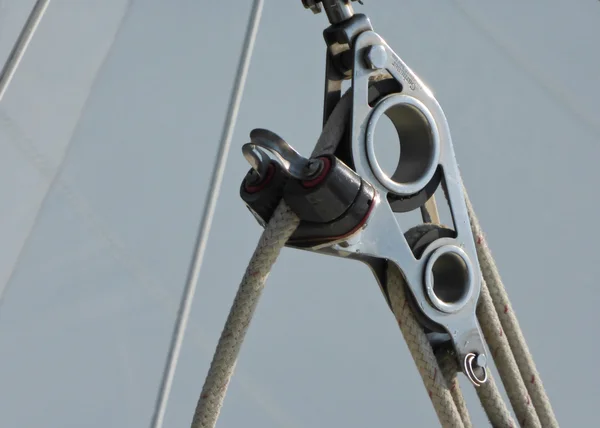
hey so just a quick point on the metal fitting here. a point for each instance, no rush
(313, 5)
(376, 57)
(481, 360)
(337, 10)
(313, 167)
(472, 365)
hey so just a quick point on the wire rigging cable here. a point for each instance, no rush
(207, 216)
(10, 68)
(20, 46)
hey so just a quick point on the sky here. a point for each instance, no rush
(108, 134)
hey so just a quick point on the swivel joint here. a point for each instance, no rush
(330, 199)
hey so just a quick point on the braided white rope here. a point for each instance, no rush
(493, 404)
(280, 228)
(510, 325)
(449, 367)
(334, 128)
(422, 353)
(489, 395)
(448, 402)
(505, 361)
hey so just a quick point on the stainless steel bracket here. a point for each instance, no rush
(445, 280)
(440, 268)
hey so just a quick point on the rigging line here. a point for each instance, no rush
(20, 46)
(207, 216)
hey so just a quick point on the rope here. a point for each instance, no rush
(282, 225)
(447, 361)
(510, 325)
(185, 305)
(505, 361)
(494, 405)
(421, 351)
(489, 395)
(278, 230)
(437, 371)
(335, 126)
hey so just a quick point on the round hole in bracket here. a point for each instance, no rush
(387, 148)
(419, 144)
(449, 278)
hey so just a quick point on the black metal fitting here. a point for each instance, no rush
(325, 197)
(339, 37)
(262, 196)
(345, 32)
(316, 6)
(333, 204)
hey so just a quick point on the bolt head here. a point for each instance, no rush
(313, 167)
(481, 360)
(376, 57)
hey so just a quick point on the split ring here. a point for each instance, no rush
(470, 370)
